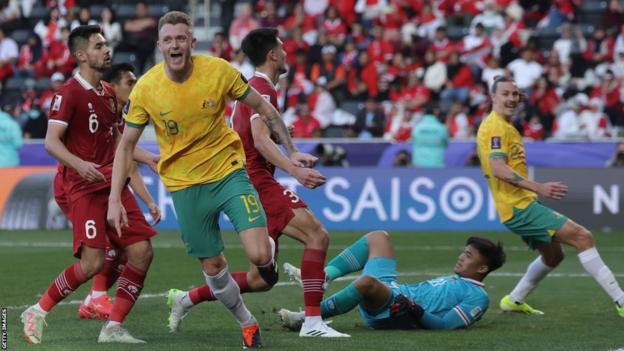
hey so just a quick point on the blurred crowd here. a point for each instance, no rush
(368, 68)
(364, 68)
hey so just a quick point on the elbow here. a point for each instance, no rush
(48, 145)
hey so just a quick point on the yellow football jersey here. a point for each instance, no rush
(196, 145)
(497, 137)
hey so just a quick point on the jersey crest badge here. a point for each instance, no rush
(496, 142)
(208, 103)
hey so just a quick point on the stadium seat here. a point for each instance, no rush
(547, 36)
(157, 10)
(20, 36)
(593, 6)
(334, 132)
(125, 11)
(43, 83)
(122, 56)
(457, 32)
(351, 106)
(15, 83)
(202, 45)
(38, 13)
(10, 97)
(96, 11)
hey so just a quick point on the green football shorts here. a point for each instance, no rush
(536, 224)
(198, 208)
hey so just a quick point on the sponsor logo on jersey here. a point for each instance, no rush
(57, 103)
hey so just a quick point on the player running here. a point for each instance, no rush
(503, 163)
(446, 302)
(202, 159)
(286, 212)
(81, 136)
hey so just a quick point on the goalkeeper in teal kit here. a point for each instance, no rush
(446, 302)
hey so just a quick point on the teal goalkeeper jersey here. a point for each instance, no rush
(450, 301)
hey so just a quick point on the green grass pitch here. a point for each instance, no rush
(579, 315)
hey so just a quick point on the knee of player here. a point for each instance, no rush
(584, 238)
(261, 258)
(91, 266)
(366, 284)
(318, 237)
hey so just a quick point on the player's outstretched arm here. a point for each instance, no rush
(451, 320)
(138, 185)
(310, 178)
(143, 156)
(502, 171)
(54, 146)
(276, 125)
(122, 165)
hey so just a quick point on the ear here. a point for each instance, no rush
(193, 42)
(81, 55)
(483, 269)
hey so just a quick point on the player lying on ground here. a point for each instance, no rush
(447, 302)
(503, 162)
(286, 212)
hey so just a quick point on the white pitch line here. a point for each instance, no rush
(52, 244)
(353, 277)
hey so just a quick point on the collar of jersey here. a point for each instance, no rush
(86, 85)
(475, 282)
(265, 77)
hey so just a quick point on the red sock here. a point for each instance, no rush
(66, 282)
(128, 291)
(100, 280)
(203, 293)
(313, 278)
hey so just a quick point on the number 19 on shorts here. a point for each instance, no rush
(251, 203)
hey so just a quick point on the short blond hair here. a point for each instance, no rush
(175, 17)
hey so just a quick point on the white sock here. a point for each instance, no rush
(227, 291)
(37, 306)
(536, 271)
(593, 264)
(111, 324)
(93, 294)
(311, 320)
(186, 301)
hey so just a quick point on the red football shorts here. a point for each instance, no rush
(277, 201)
(88, 215)
(62, 200)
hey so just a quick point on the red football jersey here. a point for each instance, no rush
(241, 122)
(89, 115)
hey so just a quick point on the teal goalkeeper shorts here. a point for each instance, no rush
(536, 224)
